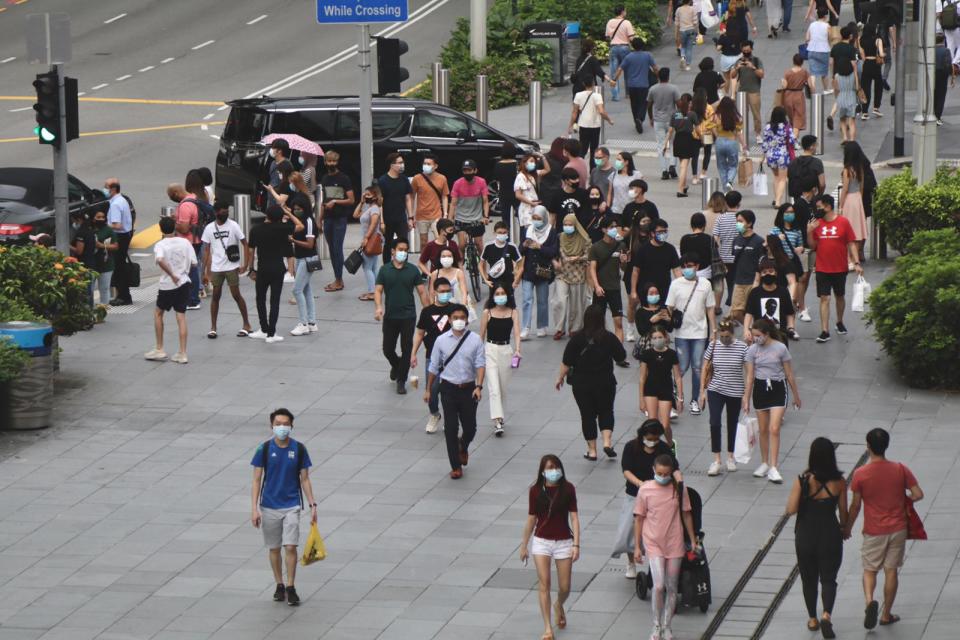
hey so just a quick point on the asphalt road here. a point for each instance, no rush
(185, 50)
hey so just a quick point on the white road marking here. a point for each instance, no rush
(21, 109)
(115, 18)
(258, 19)
(145, 69)
(215, 137)
(221, 108)
(122, 78)
(81, 93)
(203, 44)
(206, 117)
(6, 60)
(99, 86)
(166, 60)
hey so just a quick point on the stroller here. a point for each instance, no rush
(694, 586)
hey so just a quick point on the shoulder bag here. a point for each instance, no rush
(614, 34)
(571, 370)
(676, 318)
(353, 261)
(448, 359)
(915, 530)
(575, 76)
(580, 110)
(718, 267)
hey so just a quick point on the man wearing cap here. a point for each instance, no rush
(469, 204)
(769, 301)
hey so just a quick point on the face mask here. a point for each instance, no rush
(644, 226)
(741, 227)
(789, 217)
(291, 187)
(469, 177)
(662, 480)
(632, 193)
(650, 444)
(301, 161)
(100, 223)
(598, 162)
(500, 300)
(331, 168)
(768, 279)
(618, 164)
(612, 233)
(446, 262)
(595, 199)
(443, 297)
(400, 256)
(569, 229)
(282, 431)
(661, 236)
(658, 343)
(819, 213)
(552, 475)
(502, 238)
(726, 340)
(654, 299)
(400, 168)
(459, 325)
(539, 224)
(689, 273)
(760, 339)
(75, 225)
(531, 166)
(273, 153)
(427, 169)
(105, 192)
(221, 218)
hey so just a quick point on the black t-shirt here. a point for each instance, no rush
(699, 244)
(643, 315)
(636, 460)
(505, 173)
(434, 320)
(803, 211)
(395, 192)
(577, 203)
(88, 257)
(659, 370)
(656, 264)
(746, 257)
(594, 223)
(729, 44)
(272, 242)
(710, 81)
(803, 174)
(510, 254)
(843, 51)
(771, 305)
(336, 187)
(309, 229)
(634, 212)
(593, 361)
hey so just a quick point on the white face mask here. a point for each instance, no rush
(428, 169)
(446, 261)
(459, 324)
(632, 193)
(273, 153)
(282, 431)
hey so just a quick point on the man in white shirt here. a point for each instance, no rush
(222, 240)
(120, 219)
(952, 35)
(587, 116)
(691, 296)
(175, 256)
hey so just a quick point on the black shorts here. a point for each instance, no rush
(662, 392)
(175, 299)
(827, 282)
(473, 229)
(611, 299)
(769, 394)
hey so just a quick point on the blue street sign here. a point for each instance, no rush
(361, 11)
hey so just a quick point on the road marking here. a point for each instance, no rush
(146, 238)
(115, 18)
(122, 78)
(258, 19)
(206, 117)
(214, 136)
(204, 127)
(19, 1)
(90, 134)
(20, 109)
(81, 93)
(166, 60)
(221, 108)
(203, 44)
(413, 89)
(6, 60)
(191, 103)
(145, 69)
(99, 86)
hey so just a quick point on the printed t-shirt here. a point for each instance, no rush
(179, 255)
(434, 320)
(281, 484)
(832, 240)
(218, 237)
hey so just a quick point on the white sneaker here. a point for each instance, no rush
(155, 354)
(694, 408)
(272, 339)
(759, 139)
(433, 423)
(288, 278)
(774, 476)
(631, 334)
(498, 427)
(313, 327)
(630, 573)
(673, 414)
(525, 334)
(258, 334)
(761, 471)
(714, 469)
(541, 333)
(299, 330)
(179, 358)
(805, 316)
(731, 465)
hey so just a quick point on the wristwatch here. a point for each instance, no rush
(478, 386)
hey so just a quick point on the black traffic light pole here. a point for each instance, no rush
(61, 214)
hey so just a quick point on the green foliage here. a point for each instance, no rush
(903, 208)
(12, 309)
(916, 312)
(12, 360)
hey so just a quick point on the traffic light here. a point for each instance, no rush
(48, 108)
(72, 104)
(389, 72)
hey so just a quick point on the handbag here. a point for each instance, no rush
(373, 246)
(760, 187)
(802, 50)
(915, 529)
(354, 261)
(131, 271)
(676, 318)
(544, 272)
(708, 15)
(744, 171)
(717, 267)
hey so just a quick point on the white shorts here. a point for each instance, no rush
(556, 549)
(281, 527)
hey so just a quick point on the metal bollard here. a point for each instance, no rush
(744, 112)
(816, 120)
(515, 227)
(707, 187)
(601, 89)
(483, 98)
(535, 128)
(435, 69)
(241, 214)
(167, 211)
(444, 87)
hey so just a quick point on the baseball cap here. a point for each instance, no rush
(469, 164)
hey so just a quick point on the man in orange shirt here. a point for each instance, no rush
(432, 195)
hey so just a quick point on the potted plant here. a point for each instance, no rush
(13, 361)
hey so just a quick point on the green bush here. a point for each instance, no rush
(915, 313)
(12, 360)
(903, 208)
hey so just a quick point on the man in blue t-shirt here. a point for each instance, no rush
(637, 67)
(280, 473)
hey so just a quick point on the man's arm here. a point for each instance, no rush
(378, 302)
(852, 514)
(308, 491)
(452, 209)
(255, 496)
(422, 292)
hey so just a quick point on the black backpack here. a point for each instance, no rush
(265, 456)
(205, 215)
(801, 176)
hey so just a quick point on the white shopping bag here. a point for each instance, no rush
(708, 14)
(760, 187)
(747, 430)
(861, 291)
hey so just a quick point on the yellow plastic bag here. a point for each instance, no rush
(314, 550)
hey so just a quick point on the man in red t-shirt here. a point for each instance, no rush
(883, 487)
(832, 237)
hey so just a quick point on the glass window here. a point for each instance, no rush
(245, 125)
(75, 191)
(348, 125)
(312, 125)
(386, 122)
(438, 124)
(485, 133)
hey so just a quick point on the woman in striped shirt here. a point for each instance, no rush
(721, 386)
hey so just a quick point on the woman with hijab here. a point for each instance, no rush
(570, 295)
(539, 249)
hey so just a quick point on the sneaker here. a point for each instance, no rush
(280, 594)
(694, 408)
(793, 333)
(830, 121)
(824, 336)
(841, 329)
(179, 358)
(864, 116)
(731, 465)
(683, 62)
(287, 278)
(805, 316)
(631, 334)
(258, 334)
(876, 112)
(673, 414)
(541, 333)
(774, 476)
(498, 428)
(525, 334)
(665, 175)
(761, 471)
(433, 423)
(630, 573)
(272, 339)
(313, 327)
(939, 122)
(759, 139)
(156, 355)
(714, 469)
(300, 330)
(292, 598)
(193, 307)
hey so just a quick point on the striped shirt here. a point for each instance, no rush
(725, 228)
(795, 236)
(727, 361)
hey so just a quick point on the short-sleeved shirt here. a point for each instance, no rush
(659, 367)
(774, 305)
(577, 203)
(104, 258)
(86, 235)
(768, 359)
(593, 361)
(430, 255)
(607, 257)
(749, 80)
(309, 231)
(832, 239)
(587, 102)
(843, 51)
(636, 69)
(637, 461)
(469, 195)
(663, 96)
(710, 81)
(698, 292)
(272, 242)
(656, 264)
(394, 192)
(725, 230)
(188, 213)
(179, 255)
(281, 483)
(601, 178)
(429, 206)
(727, 362)
(398, 287)
(527, 187)
(218, 237)
(119, 211)
(579, 165)
(747, 252)
(555, 524)
(433, 321)
(493, 253)
(634, 212)
(699, 244)
(882, 485)
(619, 31)
(662, 532)
(336, 187)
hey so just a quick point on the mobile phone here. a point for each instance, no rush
(525, 561)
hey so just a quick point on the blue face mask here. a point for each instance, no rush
(789, 217)
(552, 475)
(661, 236)
(500, 300)
(105, 192)
(443, 297)
(569, 229)
(282, 431)
(654, 299)
(598, 162)
(689, 273)
(618, 164)
(539, 224)
(664, 480)
(612, 233)
(531, 166)
(400, 256)
(741, 227)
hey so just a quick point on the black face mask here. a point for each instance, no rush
(819, 213)
(469, 177)
(595, 199)
(768, 279)
(100, 223)
(222, 217)
(331, 168)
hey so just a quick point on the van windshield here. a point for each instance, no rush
(245, 125)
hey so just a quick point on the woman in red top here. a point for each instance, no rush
(555, 526)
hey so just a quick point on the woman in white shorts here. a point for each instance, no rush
(555, 525)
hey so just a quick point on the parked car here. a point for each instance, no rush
(410, 127)
(26, 202)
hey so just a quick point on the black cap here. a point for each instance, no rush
(469, 164)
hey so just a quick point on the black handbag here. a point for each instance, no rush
(354, 261)
(132, 272)
(676, 318)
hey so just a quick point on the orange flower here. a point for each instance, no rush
(72, 281)
(58, 266)
(70, 260)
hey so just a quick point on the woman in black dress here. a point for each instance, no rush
(659, 372)
(505, 173)
(683, 125)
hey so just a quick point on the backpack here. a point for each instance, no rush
(801, 176)
(265, 456)
(205, 215)
(948, 17)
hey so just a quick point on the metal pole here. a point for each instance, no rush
(744, 114)
(708, 186)
(478, 29)
(60, 208)
(167, 211)
(366, 103)
(241, 214)
(483, 98)
(900, 96)
(436, 67)
(601, 89)
(535, 120)
(444, 87)
(924, 122)
(816, 121)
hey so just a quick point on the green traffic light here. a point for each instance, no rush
(45, 134)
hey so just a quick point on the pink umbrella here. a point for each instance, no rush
(297, 143)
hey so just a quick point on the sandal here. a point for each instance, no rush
(813, 625)
(330, 288)
(589, 457)
(212, 334)
(826, 629)
(893, 619)
(366, 297)
(243, 333)
(561, 616)
(870, 615)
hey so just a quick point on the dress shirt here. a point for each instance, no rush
(463, 368)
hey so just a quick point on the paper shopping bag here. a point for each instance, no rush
(745, 171)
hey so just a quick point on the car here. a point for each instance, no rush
(410, 127)
(26, 202)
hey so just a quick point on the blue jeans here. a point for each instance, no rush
(542, 289)
(617, 53)
(433, 405)
(690, 353)
(688, 39)
(102, 283)
(788, 13)
(661, 129)
(728, 155)
(195, 277)
(370, 271)
(306, 308)
(334, 230)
